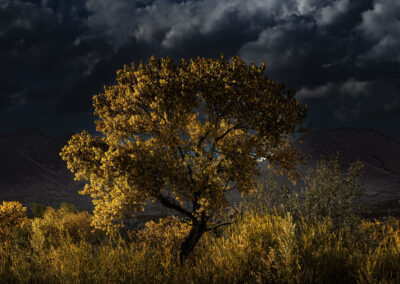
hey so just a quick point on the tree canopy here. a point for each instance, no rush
(183, 134)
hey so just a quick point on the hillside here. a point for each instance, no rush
(32, 171)
(379, 153)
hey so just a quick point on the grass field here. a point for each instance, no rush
(276, 236)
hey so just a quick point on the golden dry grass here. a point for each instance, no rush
(259, 248)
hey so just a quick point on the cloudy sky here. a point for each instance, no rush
(342, 57)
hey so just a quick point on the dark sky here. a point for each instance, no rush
(342, 56)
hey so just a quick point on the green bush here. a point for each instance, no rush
(328, 192)
(333, 193)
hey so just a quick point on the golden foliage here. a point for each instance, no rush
(168, 232)
(183, 132)
(12, 217)
(57, 225)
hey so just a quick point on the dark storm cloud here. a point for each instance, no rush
(342, 56)
(380, 27)
(33, 41)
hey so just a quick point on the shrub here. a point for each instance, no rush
(168, 232)
(258, 248)
(12, 218)
(38, 210)
(68, 207)
(329, 192)
(65, 222)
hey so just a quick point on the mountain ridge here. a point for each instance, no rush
(31, 169)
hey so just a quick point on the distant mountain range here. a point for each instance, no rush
(32, 171)
(379, 153)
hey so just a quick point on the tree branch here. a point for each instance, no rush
(213, 146)
(223, 135)
(188, 168)
(203, 138)
(170, 204)
(219, 225)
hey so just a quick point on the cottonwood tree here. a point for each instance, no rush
(183, 134)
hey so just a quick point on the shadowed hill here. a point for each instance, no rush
(379, 153)
(32, 171)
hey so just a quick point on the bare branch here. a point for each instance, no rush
(226, 132)
(188, 168)
(171, 204)
(203, 138)
(219, 225)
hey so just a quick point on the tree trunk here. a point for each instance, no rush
(198, 229)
